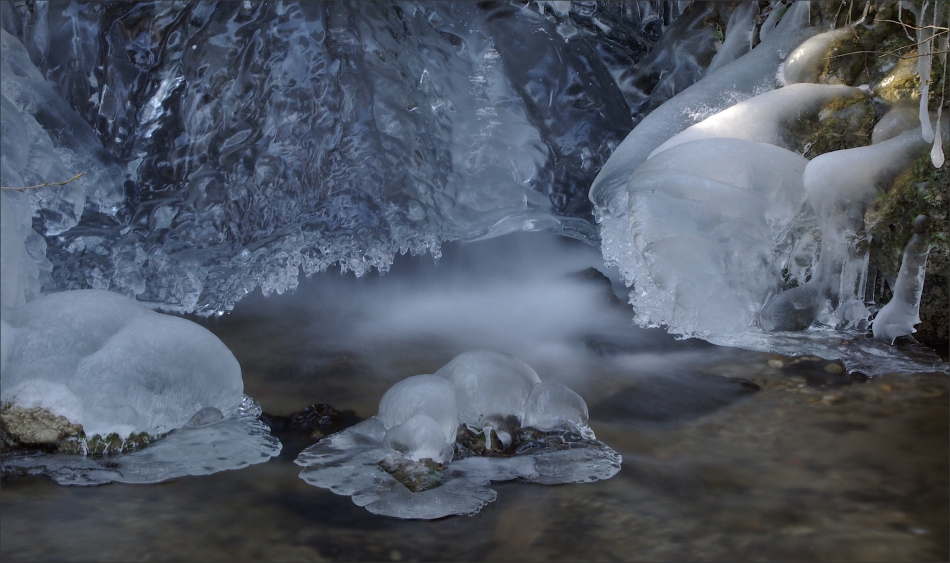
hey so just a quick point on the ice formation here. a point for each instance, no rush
(119, 371)
(899, 315)
(229, 146)
(439, 440)
(719, 224)
(106, 362)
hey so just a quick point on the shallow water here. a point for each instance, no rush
(815, 465)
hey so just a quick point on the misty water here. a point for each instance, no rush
(726, 453)
(348, 195)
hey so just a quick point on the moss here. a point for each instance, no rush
(97, 445)
(415, 476)
(922, 189)
(844, 124)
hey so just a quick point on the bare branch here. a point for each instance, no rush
(44, 185)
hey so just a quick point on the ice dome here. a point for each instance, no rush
(489, 383)
(511, 426)
(116, 376)
(111, 364)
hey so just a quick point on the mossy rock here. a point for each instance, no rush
(922, 189)
(35, 426)
(846, 123)
(97, 445)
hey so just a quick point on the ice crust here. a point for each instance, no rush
(236, 440)
(386, 463)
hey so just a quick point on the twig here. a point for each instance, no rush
(44, 185)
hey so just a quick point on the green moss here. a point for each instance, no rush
(845, 123)
(922, 189)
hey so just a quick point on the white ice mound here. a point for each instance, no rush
(111, 364)
(706, 230)
(509, 426)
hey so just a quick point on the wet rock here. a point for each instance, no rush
(595, 276)
(35, 426)
(319, 420)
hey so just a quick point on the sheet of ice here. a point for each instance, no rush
(401, 471)
(738, 36)
(900, 314)
(236, 440)
(76, 142)
(106, 362)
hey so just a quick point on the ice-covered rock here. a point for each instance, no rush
(770, 117)
(840, 185)
(900, 314)
(751, 74)
(512, 426)
(111, 364)
(489, 384)
(117, 375)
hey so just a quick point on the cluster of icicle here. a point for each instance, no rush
(720, 224)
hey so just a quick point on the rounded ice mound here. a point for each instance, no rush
(120, 366)
(419, 438)
(508, 425)
(552, 406)
(488, 384)
(125, 376)
(421, 394)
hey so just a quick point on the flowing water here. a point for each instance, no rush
(728, 454)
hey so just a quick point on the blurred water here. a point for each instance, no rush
(728, 454)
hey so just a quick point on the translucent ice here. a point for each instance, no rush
(769, 117)
(399, 464)
(120, 366)
(421, 394)
(234, 441)
(900, 314)
(840, 185)
(750, 74)
(489, 384)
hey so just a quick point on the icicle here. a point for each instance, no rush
(925, 49)
(899, 316)
(936, 153)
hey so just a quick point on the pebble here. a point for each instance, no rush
(834, 369)
(777, 364)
